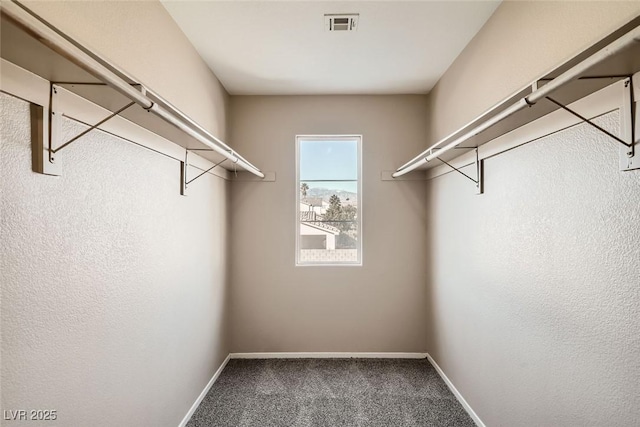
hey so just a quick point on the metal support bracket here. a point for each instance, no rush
(237, 176)
(183, 173)
(184, 180)
(41, 140)
(630, 115)
(43, 126)
(479, 180)
(590, 123)
(629, 158)
(55, 115)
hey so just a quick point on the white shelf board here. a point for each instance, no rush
(618, 67)
(25, 51)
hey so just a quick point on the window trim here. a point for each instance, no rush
(336, 137)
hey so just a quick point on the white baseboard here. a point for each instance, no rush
(328, 355)
(456, 393)
(195, 405)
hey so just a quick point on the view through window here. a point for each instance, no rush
(329, 200)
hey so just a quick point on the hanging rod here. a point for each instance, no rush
(571, 74)
(116, 79)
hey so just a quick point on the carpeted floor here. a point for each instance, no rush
(329, 393)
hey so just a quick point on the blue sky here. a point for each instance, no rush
(329, 160)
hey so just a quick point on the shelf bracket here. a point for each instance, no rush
(40, 141)
(55, 118)
(478, 181)
(590, 123)
(629, 160)
(184, 181)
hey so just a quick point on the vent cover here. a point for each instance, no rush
(341, 22)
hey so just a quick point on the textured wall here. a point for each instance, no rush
(113, 285)
(522, 41)
(534, 286)
(279, 307)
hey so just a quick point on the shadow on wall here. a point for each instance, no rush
(532, 293)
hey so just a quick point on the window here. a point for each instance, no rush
(329, 201)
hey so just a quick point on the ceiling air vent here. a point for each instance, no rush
(341, 22)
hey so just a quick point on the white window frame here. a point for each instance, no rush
(358, 139)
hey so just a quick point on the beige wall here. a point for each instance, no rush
(522, 41)
(279, 307)
(130, 310)
(114, 287)
(142, 38)
(533, 293)
(534, 304)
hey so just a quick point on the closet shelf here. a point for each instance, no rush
(614, 58)
(33, 44)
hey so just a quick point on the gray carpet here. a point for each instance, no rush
(329, 393)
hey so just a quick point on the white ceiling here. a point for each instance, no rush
(282, 48)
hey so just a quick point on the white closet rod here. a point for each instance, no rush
(45, 34)
(564, 78)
